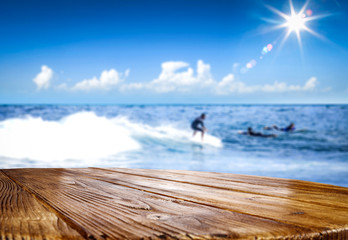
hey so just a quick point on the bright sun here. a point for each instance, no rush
(296, 21)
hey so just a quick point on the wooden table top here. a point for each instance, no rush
(116, 203)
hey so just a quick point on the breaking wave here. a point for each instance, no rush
(85, 136)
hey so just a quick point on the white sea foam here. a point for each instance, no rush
(168, 132)
(79, 136)
(84, 136)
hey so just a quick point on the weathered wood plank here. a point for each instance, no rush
(291, 189)
(302, 213)
(135, 203)
(280, 209)
(105, 209)
(23, 217)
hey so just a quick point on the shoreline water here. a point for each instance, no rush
(159, 136)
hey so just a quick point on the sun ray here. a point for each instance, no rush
(311, 18)
(304, 7)
(315, 34)
(283, 15)
(298, 35)
(270, 20)
(292, 10)
(279, 26)
(284, 39)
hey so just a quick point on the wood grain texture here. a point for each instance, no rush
(119, 203)
(23, 217)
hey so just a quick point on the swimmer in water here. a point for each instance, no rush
(198, 125)
(289, 128)
(250, 132)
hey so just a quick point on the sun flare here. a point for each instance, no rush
(295, 22)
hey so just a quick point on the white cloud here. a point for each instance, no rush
(310, 84)
(277, 87)
(180, 77)
(230, 85)
(284, 87)
(203, 74)
(177, 76)
(106, 81)
(171, 79)
(43, 79)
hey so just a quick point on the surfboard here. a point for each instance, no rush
(207, 140)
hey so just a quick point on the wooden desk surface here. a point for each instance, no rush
(115, 203)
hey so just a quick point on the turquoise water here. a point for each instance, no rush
(159, 137)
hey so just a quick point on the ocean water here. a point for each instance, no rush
(159, 137)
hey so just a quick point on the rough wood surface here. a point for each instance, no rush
(119, 203)
(23, 217)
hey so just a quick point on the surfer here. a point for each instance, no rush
(289, 128)
(198, 125)
(251, 132)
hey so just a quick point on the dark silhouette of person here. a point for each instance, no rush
(250, 132)
(289, 128)
(198, 125)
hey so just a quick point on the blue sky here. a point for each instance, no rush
(192, 51)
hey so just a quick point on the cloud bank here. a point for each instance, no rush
(180, 77)
(106, 81)
(43, 79)
(175, 76)
(230, 85)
